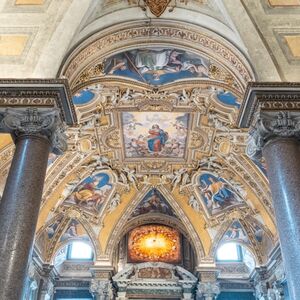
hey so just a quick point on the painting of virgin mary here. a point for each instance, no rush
(157, 139)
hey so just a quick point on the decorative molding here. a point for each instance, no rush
(97, 47)
(41, 93)
(268, 96)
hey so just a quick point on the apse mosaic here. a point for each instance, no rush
(154, 243)
(157, 66)
(153, 202)
(217, 194)
(91, 193)
(236, 233)
(153, 134)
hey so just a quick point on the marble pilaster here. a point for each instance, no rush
(208, 287)
(101, 285)
(46, 287)
(272, 111)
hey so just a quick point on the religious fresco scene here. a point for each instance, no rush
(74, 230)
(236, 232)
(154, 243)
(157, 66)
(153, 202)
(146, 127)
(217, 194)
(159, 135)
(91, 193)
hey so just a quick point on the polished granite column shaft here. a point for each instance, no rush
(35, 133)
(19, 210)
(283, 161)
(272, 112)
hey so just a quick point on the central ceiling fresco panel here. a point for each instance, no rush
(157, 66)
(155, 134)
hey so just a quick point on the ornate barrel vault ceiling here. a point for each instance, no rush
(156, 101)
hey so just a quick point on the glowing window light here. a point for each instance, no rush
(229, 252)
(80, 250)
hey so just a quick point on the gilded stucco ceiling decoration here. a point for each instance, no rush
(224, 62)
(156, 143)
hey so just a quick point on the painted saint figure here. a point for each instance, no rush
(157, 139)
(92, 191)
(217, 193)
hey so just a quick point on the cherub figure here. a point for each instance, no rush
(114, 203)
(193, 203)
(177, 177)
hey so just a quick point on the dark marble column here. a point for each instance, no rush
(283, 161)
(272, 111)
(35, 134)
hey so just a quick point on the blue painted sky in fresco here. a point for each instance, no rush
(83, 97)
(228, 98)
(157, 66)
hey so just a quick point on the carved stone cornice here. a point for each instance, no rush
(271, 110)
(268, 96)
(270, 125)
(42, 93)
(37, 122)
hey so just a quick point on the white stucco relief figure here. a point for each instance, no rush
(114, 202)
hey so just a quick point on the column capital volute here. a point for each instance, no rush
(37, 122)
(37, 107)
(271, 111)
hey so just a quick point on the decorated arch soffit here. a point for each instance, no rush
(156, 107)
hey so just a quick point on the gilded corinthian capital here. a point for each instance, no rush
(38, 122)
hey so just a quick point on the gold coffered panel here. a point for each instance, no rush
(12, 45)
(284, 2)
(293, 42)
(29, 2)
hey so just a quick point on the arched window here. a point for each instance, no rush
(79, 251)
(230, 252)
(234, 252)
(76, 250)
